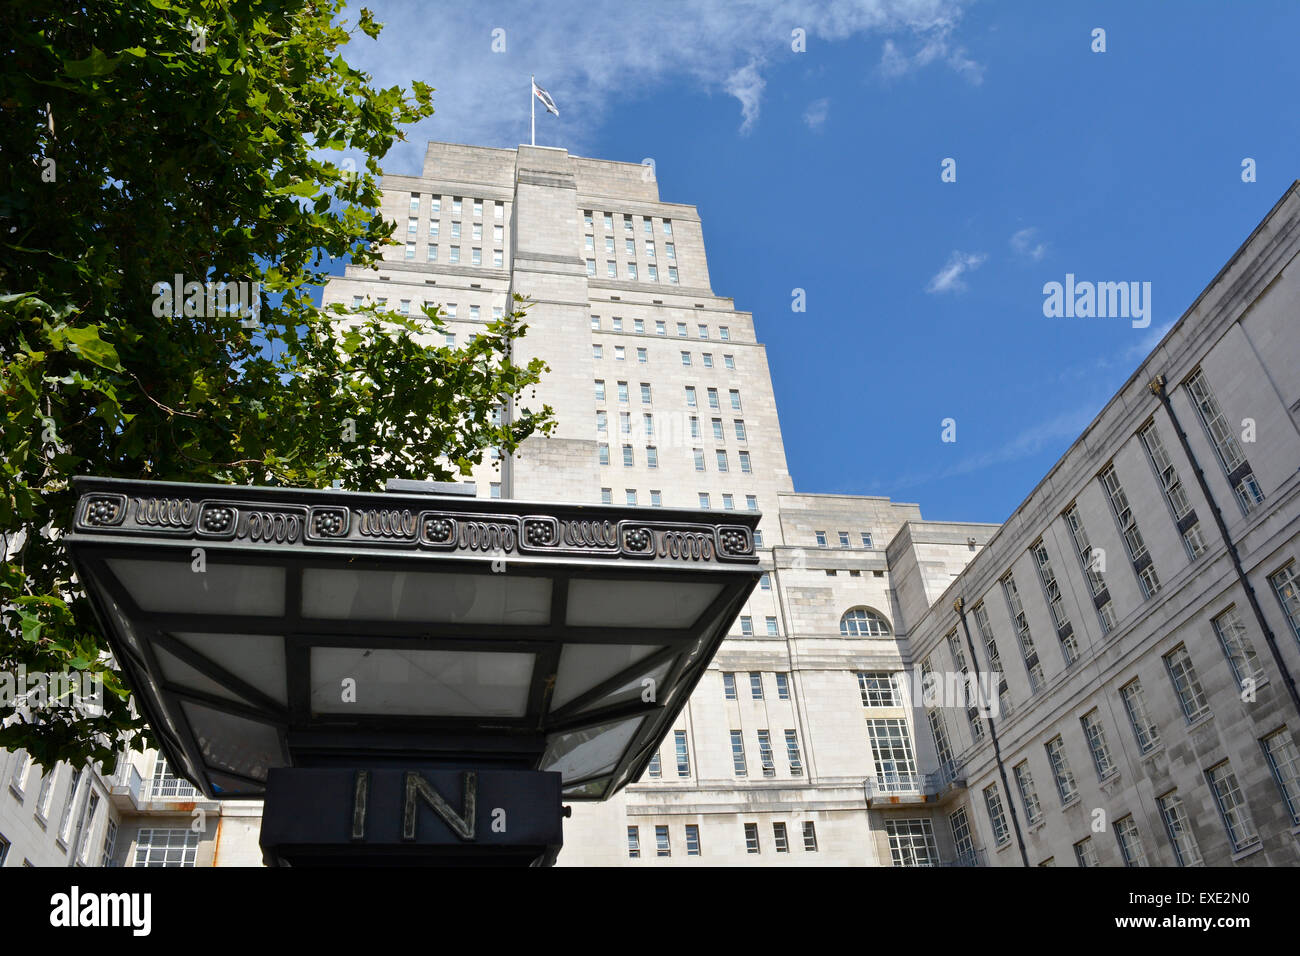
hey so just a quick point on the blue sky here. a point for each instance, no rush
(820, 170)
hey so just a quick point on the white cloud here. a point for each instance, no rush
(815, 114)
(594, 64)
(949, 278)
(935, 47)
(1026, 244)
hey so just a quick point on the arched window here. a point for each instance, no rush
(864, 622)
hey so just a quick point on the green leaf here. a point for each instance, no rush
(97, 64)
(86, 342)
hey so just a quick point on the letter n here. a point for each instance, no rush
(461, 824)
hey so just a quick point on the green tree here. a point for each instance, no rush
(145, 140)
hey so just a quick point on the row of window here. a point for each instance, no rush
(630, 247)
(632, 272)
(661, 328)
(643, 356)
(740, 765)
(756, 680)
(457, 206)
(747, 626)
(449, 309)
(738, 427)
(435, 230)
(629, 220)
(691, 398)
(18, 777)
(663, 842)
(844, 539)
(1092, 561)
(431, 254)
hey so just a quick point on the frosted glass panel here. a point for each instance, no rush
(425, 683)
(585, 753)
(671, 604)
(246, 747)
(334, 594)
(167, 586)
(256, 659)
(583, 666)
(176, 671)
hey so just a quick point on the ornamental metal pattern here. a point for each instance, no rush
(399, 523)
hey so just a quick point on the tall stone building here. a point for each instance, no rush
(1136, 629)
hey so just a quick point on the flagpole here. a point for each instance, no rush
(532, 99)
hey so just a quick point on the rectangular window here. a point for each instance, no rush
(110, 843)
(792, 750)
(692, 839)
(717, 429)
(1287, 589)
(1090, 562)
(683, 758)
(738, 754)
(1065, 785)
(629, 247)
(435, 205)
(611, 269)
(1179, 504)
(660, 328)
(455, 205)
(735, 398)
(622, 392)
(686, 358)
(821, 538)
(1179, 829)
(609, 245)
(713, 398)
(698, 455)
(771, 626)
(631, 495)
(606, 496)
(1055, 604)
(628, 461)
(1232, 806)
(779, 836)
(782, 685)
(602, 453)
(746, 465)
(1188, 687)
(911, 842)
(1144, 728)
(600, 390)
(728, 502)
(415, 203)
(877, 689)
(962, 840)
(765, 758)
(455, 254)
(1225, 443)
(746, 623)
(751, 837)
(455, 230)
(707, 357)
(633, 842)
(1085, 854)
(631, 270)
(602, 422)
(609, 222)
(476, 232)
(728, 685)
(656, 768)
(656, 499)
(651, 456)
(155, 847)
(645, 393)
(997, 819)
(620, 353)
(410, 250)
(1096, 736)
(598, 352)
(168, 786)
(1284, 761)
(809, 837)
(641, 357)
(499, 211)
(1246, 666)
(722, 460)
(1027, 650)
(891, 747)
(1127, 522)
(1028, 795)
(690, 396)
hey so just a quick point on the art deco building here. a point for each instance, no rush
(1135, 620)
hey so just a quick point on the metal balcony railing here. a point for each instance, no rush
(915, 784)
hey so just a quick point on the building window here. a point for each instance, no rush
(792, 751)
(1284, 761)
(166, 785)
(1089, 561)
(809, 837)
(110, 843)
(1179, 504)
(435, 205)
(707, 358)
(692, 839)
(698, 455)
(645, 393)
(415, 203)
(771, 626)
(1096, 736)
(638, 326)
(656, 768)
(633, 842)
(606, 496)
(656, 499)
(1246, 666)
(1225, 443)
(641, 357)
(611, 269)
(728, 502)
(877, 689)
(591, 267)
(609, 222)
(782, 685)
(18, 777)
(735, 398)
(661, 841)
(660, 329)
(751, 837)
(1085, 854)
(765, 582)
(602, 422)
(686, 358)
(620, 354)
(751, 504)
(631, 495)
(746, 622)
(1127, 522)
(1287, 589)
(631, 270)
(911, 842)
(1028, 795)
(1052, 592)
(1065, 785)
(1145, 730)
(651, 456)
(962, 840)
(821, 538)
(891, 748)
(598, 352)
(724, 333)
(713, 397)
(722, 460)
(997, 819)
(728, 685)
(1027, 650)
(627, 456)
(1179, 828)
(738, 754)
(602, 452)
(1232, 806)
(765, 758)
(683, 757)
(690, 396)
(1188, 687)
(779, 836)
(864, 622)
(166, 847)
(494, 489)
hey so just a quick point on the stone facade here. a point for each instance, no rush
(813, 737)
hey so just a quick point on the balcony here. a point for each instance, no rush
(127, 789)
(909, 789)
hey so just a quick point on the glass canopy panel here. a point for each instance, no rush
(174, 587)
(593, 750)
(583, 666)
(635, 689)
(242, 746)
(121, 623)
(338, 594)
(256, 659)
(589, 790)
(230, 786)
(420, 683)
(178, 672)
(609, 603)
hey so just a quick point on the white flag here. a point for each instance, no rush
(545, 97)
